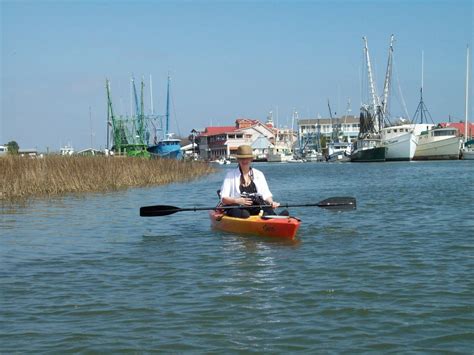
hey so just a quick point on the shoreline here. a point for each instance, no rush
(24, 178)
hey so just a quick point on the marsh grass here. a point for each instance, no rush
(22, 178)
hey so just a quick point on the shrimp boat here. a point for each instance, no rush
(368, 147)
(400, 141)
(168, 147)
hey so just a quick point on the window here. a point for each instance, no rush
(444, 133)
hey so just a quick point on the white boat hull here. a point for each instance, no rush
(444, 149)
(468, 154)
(279, 158)
(340, 157)
(401, 147)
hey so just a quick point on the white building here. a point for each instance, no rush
(347, 128)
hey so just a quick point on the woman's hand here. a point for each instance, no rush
(273, 203)
(244, 201)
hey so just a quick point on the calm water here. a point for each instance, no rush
(88, 274)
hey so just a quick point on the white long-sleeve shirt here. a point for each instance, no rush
(230, 186)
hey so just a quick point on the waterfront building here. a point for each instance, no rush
(223, 141)
(312, 129)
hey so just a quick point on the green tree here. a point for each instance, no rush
(13, 147)
(323, 141)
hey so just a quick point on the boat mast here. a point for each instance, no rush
(167, 108)
(118, 132)
(141, 122)
(388, 77)
(373, 94)
(151, 95)
(467, 95)
(334, 126)
(422, 109)
(108, 112)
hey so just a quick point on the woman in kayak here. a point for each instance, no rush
(246, 186)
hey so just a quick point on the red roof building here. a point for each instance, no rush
(222, 141)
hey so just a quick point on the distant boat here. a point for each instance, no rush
(168, 147)
(276, 156)
(400, 141)
(223, 161)
(468, 150)
(66, 150)
(437, 143)
(434, 141)
(368, 146)
(368, 150)
(339, 152)
(312, 155)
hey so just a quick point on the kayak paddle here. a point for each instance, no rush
(333, 203)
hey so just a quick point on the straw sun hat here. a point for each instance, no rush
(244, 151)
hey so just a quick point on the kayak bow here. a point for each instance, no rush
(267, 226)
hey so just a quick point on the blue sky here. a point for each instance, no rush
(226, 60)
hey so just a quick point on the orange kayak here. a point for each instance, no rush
(275, 227)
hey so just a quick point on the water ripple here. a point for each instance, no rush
(89, 275)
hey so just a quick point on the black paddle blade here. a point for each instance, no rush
(339, 203)
(159, 210)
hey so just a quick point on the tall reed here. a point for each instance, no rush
(22, 177)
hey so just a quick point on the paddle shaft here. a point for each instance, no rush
(330, 203)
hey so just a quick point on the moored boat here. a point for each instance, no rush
(468, 150)
(167, 148)
(438, 143)
(339, 152)
(284, 227)
(368, 146)
(400, 141)
(279, 156)
(368, 151)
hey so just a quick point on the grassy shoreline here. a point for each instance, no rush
(22, 178)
